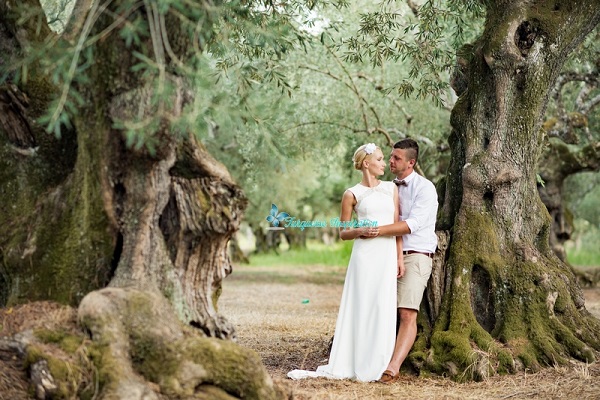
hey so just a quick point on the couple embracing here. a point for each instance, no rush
(388, 268)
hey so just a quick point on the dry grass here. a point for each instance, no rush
(266, 305)
(13, 378)
(41, 314)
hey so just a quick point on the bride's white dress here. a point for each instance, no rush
(365, 330)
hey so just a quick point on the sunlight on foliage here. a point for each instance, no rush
(427, 37)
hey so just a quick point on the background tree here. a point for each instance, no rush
(573, 146)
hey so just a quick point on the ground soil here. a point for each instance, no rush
(14, 384)
(287, 315)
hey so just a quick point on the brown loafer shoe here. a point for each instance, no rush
(388, 377)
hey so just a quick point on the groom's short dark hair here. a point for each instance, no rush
(411, 145)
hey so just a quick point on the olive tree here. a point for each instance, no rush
(120, 209)
(499, 300)
(573, 147)
(509, 302)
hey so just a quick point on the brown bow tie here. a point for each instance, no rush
(400, 182)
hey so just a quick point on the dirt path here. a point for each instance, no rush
(287, 315)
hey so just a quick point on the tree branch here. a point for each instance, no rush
(355, 90)
(395, 102)
(590, 105)
(354, 130)
(414, 8)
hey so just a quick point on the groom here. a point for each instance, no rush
(418, 210)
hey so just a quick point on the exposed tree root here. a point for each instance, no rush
(138, 350)
(145, 346)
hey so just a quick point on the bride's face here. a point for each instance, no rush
(375, 163)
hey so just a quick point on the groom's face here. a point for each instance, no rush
(400, 164)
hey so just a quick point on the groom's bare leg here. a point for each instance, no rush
(410, 293)
(407, 333)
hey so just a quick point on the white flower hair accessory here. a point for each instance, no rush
(370, 148)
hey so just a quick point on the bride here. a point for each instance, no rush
(365, 330)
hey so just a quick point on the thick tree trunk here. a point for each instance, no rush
(510, 303)
(87, 211)
(93, 210)
(54, 243)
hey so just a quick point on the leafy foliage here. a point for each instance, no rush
(429, 40)
(284, 92)
(271, 91)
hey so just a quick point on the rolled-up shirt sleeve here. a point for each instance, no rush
(423, 210)
(418, 208)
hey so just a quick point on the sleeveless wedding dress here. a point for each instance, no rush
(365, 330)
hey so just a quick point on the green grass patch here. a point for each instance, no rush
(289, 274)
(315, 253)
(583, 250)
(584, 258)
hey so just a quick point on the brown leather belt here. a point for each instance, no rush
(430, 255)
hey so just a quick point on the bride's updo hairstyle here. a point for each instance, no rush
(361, 153)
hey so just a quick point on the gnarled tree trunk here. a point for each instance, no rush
(509, 303)
(158, 221)
(88, 211)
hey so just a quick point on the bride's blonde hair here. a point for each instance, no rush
(362, 153)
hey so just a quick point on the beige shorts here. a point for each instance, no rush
(412, 285)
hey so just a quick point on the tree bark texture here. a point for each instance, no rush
(137, 237)
(510, 303)
(52, 244)
(87, 210)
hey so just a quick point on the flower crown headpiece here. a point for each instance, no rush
(370, 148)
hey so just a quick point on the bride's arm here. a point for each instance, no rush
(348, 203)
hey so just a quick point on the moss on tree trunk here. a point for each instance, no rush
(510, 303)
(89, 210)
